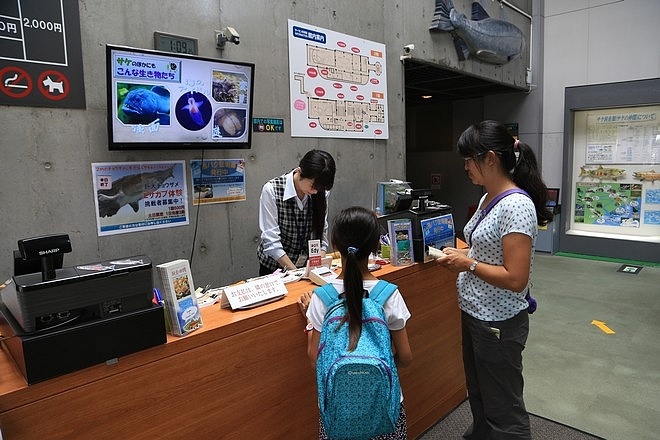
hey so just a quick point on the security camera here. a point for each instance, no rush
(407, 52)
(226, 34)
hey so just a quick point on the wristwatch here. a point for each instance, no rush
(473, 266)
(309, 327)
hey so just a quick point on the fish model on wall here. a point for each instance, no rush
(651, 176)
(129, 189)
(601, 173)
(487, 39)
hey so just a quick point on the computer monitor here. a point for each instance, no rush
(553, 198)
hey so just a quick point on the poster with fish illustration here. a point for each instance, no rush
(614, 174)
(337, 83)
(218, 180)
(137, 196)
(159, 100)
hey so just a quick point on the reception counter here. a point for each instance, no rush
(244, 375)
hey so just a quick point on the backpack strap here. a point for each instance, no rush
(382, 291)
(327, 293)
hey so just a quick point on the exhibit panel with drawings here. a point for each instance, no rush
(612, 173)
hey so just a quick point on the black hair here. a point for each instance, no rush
(521, 165)
(355, 234)
(319, 166)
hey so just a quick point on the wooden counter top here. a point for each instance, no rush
(244, 374)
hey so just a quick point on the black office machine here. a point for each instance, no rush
(414, 204)
(63, 319)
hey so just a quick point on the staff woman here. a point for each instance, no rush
(292, 210)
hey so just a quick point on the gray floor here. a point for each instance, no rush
(576, 374)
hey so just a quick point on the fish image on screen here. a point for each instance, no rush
(228, 123)
(229, 87)
(193, 111)
(143, 104)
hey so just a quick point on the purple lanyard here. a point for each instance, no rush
(484, 212)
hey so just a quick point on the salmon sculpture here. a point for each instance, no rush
(601, 173)
(651, 176)
(488, 39)
(129, 189)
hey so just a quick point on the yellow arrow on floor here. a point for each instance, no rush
(601, 325)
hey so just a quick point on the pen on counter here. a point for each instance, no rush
(158, 297)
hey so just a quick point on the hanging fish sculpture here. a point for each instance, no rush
(487, 39)
(601, 173)
(129, 189)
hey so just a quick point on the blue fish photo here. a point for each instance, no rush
(485, 38)
(143, 104)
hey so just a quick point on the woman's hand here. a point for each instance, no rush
(303, 303)
(454, 259)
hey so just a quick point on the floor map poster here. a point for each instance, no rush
(338, 84)
(218, 180)
(137, 196)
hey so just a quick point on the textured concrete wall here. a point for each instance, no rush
(45, 184)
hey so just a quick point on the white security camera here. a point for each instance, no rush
(407, 52)
(226, 34)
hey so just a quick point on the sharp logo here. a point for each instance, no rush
(49, 251)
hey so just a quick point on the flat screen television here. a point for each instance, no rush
(162, 100)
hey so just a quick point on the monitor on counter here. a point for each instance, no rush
(43, 254)
(553, 197)
(162, 100)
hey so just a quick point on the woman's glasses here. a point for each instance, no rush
(469, 158)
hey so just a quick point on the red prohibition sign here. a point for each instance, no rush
(53, 85)
(15, 82)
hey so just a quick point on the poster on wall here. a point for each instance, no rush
(616, 178)
(41, 54)
(138, 196)
(338, 84)
(218, 180)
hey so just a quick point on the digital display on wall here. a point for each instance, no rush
(162, 100)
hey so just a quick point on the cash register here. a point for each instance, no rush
(415, 204)
(61, 319)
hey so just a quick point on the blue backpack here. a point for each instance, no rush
(359, 391)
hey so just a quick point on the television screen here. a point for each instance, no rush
(162, 100)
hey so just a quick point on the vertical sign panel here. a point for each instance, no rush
(40, 54)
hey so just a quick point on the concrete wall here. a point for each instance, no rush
(592, 42)
(45, 184)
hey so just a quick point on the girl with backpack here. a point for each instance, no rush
(356, 234)
(494, 275)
